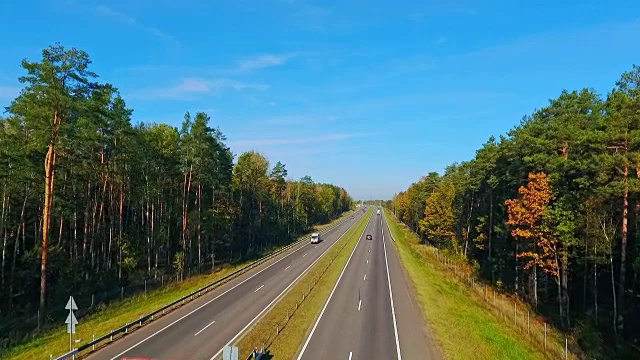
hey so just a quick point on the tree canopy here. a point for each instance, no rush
(557, 198)
(117, 203)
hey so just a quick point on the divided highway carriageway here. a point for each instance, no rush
(201, 329)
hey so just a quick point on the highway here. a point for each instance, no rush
(200, 329)
(371, 312)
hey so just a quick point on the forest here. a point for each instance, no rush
(551, 211)
(91, 202)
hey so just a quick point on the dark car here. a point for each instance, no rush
(369, 237)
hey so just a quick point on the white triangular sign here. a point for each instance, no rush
(71, 319)
(71, 304)
(71, 323)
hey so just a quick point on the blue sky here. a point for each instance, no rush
(366, 95)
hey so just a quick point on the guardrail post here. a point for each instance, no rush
(126, 329)
(140, 320)
(93, 341)
(111, 336)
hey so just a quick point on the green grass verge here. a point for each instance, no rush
(293, 323)
(115, 315)
(463, 328)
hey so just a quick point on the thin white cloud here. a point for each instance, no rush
(194, 87)
(131, 21)
(298, 140)
(262, 61)
(299, 119)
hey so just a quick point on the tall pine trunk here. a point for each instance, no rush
(623, 247)
(49, 171)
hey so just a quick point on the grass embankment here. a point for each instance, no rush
(115, 315)
(295, 313)
(463, 327)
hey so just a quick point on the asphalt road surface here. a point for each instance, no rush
(201, 329)
(372, 312)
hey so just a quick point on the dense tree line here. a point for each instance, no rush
(551, 211)
(116, 202)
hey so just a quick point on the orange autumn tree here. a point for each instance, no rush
(528, 217)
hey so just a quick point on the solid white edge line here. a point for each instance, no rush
(284, 291)
(306, 343)
(261, 286)
(350, 354)
(393, 310)
(204, 328)
(210, 301)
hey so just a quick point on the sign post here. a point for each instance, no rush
(71, 320)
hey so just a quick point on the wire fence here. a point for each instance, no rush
(506, 307)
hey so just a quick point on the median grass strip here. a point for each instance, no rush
(282, 330)
(115, 315)
(463, 328)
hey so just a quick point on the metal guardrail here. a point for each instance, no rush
(127, 328)
(69, 355)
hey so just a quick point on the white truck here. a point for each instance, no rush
(315, 238)
(378, 211)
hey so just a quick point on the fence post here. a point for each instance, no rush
(566, 348)
(93, 340)
(92, 298)
(528, 331)
(545, 336)
(38, 319)
(515, 313)
(162, 281)
(111, 335)
(494, 297)
(122, 293)
(145, 286)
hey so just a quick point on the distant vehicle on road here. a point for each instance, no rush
(315, 238)
(378, 211)
(369, 237)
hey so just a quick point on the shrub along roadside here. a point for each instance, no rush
(283, 329)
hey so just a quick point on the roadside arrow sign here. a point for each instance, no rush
(71, 304)
(71, 323)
